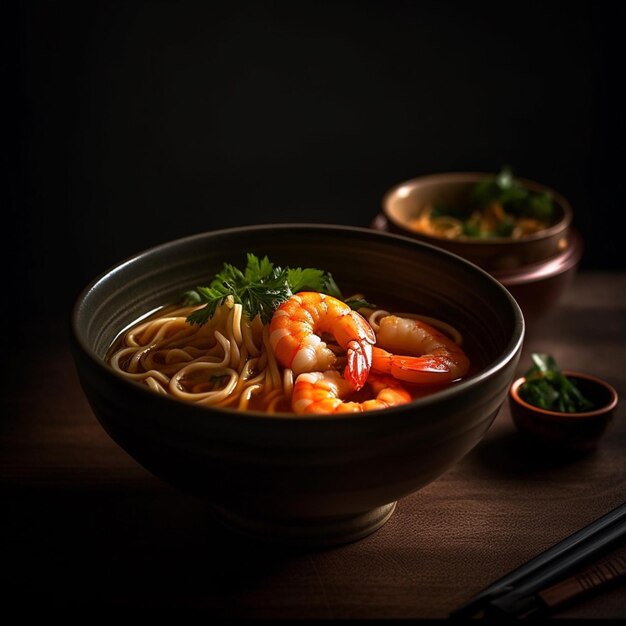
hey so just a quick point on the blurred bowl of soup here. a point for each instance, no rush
(517, 229)
(306, 480)
(468, 213)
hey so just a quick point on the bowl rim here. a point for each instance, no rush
(510, 353)
(471, 177)
(558, 415)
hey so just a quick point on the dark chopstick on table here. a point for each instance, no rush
(516, 593)
(535, 595)
(584, 582)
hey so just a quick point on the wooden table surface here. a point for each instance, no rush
(84, 526)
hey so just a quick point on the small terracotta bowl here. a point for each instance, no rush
(567, 431)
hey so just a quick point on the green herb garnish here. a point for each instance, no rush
(260, 288)
(548, 388)
(515, 199)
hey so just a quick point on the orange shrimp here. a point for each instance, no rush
(295, 336)
(427, 355)
(323, 392)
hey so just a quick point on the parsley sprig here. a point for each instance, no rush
(515, 198)
(548, 388)
(260, 288)
(503, 190)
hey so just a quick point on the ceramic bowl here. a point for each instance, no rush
(538, 287)
(310, 481)
(566, 431)
(403, 202)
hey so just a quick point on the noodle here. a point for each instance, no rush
(227, 361)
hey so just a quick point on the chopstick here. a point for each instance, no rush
(584, 582)
(524, 599)
(515, 593)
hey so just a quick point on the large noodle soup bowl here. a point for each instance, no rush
(305, 480)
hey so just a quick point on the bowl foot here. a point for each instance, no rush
(307, 532)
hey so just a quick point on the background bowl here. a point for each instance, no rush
(536, 269)
(304, 480)
(538, 287)
(404, 201)
(567, 431)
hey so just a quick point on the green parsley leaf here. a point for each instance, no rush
(359, 303)
(504, 180)
(308, 279)
(261, 288)
(540, 206)
(505, 227)
(470, 229)
(515, 198)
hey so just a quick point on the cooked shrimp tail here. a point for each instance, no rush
(326, 392)
(296, 333)
(359, 362)
(414, 351)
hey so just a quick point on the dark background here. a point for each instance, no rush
(132, 123)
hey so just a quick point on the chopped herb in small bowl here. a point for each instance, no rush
(547, 387)
(561, 408)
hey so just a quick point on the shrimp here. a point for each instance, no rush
(428, 356)
(323, 392)
(297, 326)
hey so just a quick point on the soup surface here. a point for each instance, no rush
(306, 352)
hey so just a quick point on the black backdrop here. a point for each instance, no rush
(138, 122)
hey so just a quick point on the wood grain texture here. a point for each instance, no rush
(84, 526)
